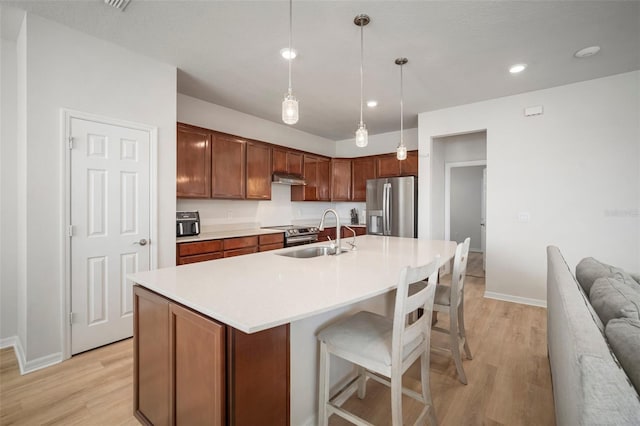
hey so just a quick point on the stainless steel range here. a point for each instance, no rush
(297, 235)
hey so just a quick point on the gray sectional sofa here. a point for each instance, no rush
(593, 335)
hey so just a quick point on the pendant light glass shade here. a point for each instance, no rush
(401, 151)
(362, 135)
(290, 109)
(290, 103)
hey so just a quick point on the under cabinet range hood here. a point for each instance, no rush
(288, 179)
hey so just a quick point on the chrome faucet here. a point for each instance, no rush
(321, 227)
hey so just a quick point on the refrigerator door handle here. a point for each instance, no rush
(387, 209)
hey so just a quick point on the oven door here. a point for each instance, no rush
(301, 240)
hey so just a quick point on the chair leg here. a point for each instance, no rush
(362, 382)
(463, 333)
(455, 345)
(425, 383)
(396, 400)
(323, 384)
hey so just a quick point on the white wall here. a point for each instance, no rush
(64, 68)
(383, 143)
(449, 149)
(8, 191)
(466, 204)
(575, 170)
(280, 210)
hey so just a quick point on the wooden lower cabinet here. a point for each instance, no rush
(197, 360)
(151, 372)
(191, 369)
(201, 251)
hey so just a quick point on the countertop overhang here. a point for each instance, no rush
(262, 290)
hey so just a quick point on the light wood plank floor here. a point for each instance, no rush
(509, 379)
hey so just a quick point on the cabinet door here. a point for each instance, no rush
(311, 177)
(295, 163)
(341, 179)
(363, 168)
(151, 374)
(258, 376)
(258, 171)
(409, 167)
(279, 160)
(193, 165)
(198, 362)
(388, 165)
(324, 179)
(228, 166)
(328, 232)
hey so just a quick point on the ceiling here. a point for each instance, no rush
(227, 52)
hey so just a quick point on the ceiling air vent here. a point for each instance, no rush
(118, 4)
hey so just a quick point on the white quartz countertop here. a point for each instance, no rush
(218, 235)
(262, 290)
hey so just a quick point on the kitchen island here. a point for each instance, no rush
(245, 310)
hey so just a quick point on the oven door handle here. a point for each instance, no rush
(301, 239)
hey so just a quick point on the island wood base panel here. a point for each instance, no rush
(191, 369)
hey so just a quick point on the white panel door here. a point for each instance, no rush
(110, 217)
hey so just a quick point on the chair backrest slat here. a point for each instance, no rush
(402, 332)
(459, 272)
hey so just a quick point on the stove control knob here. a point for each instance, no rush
(294, 231)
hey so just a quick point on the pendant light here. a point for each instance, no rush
(362, 136)
(401, 151)
(290, 103)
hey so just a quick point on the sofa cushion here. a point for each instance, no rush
(623, 335)
(590, 269)
(613, 298)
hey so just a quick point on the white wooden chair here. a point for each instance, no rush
(383, 347)
(450, 300)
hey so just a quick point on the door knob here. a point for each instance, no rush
(142, 242)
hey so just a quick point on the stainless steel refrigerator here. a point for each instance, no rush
(392, 206)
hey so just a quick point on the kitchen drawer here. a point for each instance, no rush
(183, 260)
(240, 251)
(274, 246)
(200, 247)
(236, 243)
(271, 238)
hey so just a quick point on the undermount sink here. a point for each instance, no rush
(309, 252)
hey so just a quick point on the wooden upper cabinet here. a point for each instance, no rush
(316, 175)
(324, 179)
(389, 166)
(341, 179)
(228, 166)
(409, 167)
(286, 161)
(193, 171)
(361, 169)
(258, 171)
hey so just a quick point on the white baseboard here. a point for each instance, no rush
(27, 367)
(515, 299)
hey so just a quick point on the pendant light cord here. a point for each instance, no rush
(401, 105)
(361, 70)
(290, 38)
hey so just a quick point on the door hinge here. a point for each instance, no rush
(70, 318)
(69, 230)
(70, 141)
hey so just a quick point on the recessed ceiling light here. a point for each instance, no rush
(515, 69)
(372, 104)
(288, 55)
(587, 51)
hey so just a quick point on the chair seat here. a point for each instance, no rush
(443, 293)
(365, 335)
